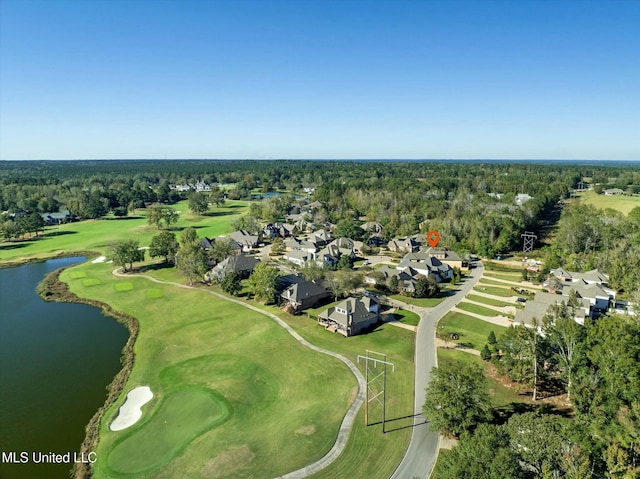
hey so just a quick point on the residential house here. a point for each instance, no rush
(207, 243)
(613, 192)
(57, 217)
(423, 263)
(299, 257)
(522, 198)
(403, 245)
(292, 244)
(242, 265)
(351, 317)
(372, 227)
(536, 309)
(321, 237)
(246, 240)
(304, 295)
(278, 230)
(446, 256)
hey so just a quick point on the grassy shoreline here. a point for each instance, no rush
(51, 288)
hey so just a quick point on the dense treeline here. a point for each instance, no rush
(599, 363)
(471, 204)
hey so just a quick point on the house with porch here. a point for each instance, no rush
(240, 264)
(304, 295)
(351, 317)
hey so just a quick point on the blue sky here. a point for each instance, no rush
(319, 79)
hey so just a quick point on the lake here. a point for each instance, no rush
(56, 360)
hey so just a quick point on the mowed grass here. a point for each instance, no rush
(496, 291)
(286, 401)
(407, 317)
(472, 332)
(621, 203)
(99, 235)
(489, 301)
(361, 457)
(180, 418)
(477, 309)
(517, 277)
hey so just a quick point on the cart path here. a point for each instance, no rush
(349, 417)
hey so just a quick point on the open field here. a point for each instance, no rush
(98, 235)
(622, 203)
(472, 332)
(284, 401)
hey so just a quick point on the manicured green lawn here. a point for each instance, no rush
(474, 308)
(472, 332)
(98, 235)
(180, 418)
(360, 458)
(407, 317)
(489, 301)
(496, 291)
(486, 280)
(285, 401)
(421, 302)
(621, 203)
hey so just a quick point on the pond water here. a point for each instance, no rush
(56, 360)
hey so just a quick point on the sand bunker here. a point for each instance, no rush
(130, 411)
(99, 259)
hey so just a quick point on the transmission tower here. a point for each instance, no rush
(528, 238)
(376, 382)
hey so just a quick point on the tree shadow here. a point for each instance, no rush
(9, 247)
(59, 233)
(156, 266)
(213, 214)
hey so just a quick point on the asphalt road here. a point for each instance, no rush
(423, 447)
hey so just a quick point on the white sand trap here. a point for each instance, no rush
(99, 259)
(130, 411)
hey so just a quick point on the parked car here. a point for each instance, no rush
(522, 300)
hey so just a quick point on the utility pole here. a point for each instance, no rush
(528, 239)
(374, 382)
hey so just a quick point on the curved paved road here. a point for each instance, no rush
(350, 416)
(421, 454)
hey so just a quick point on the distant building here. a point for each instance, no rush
(522, 198)
(613, 192)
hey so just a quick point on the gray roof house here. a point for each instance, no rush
(299, 257)
(403, 245)
(245, 239)
(535, 310)
(57, 217)
(305, 294)
(243, 265)
(351, 317)
(425, 264)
